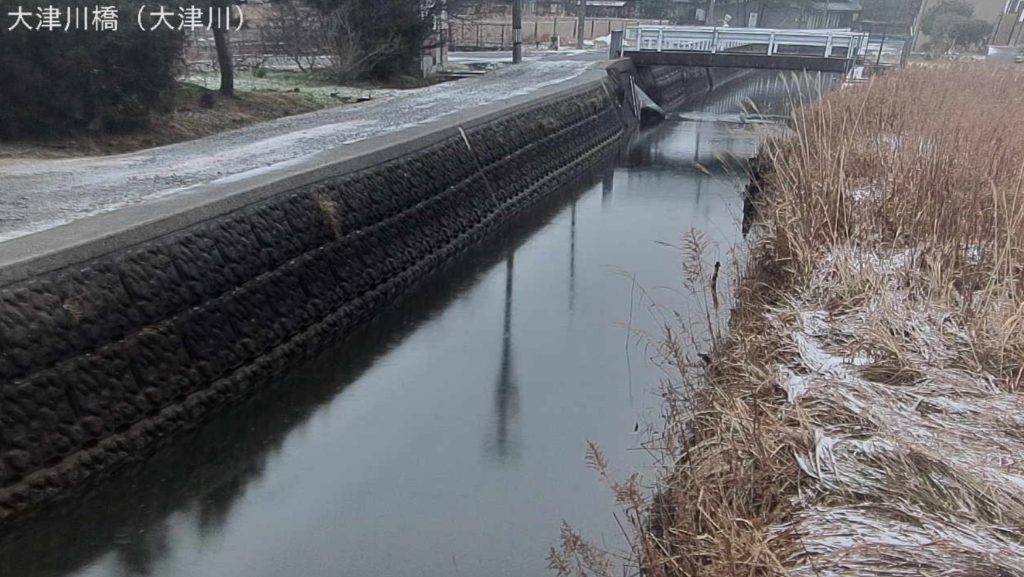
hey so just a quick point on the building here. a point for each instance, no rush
(769, 14)
(612, 9)
(810, 14)
(554, 8)
(597, 8)
(833, 14)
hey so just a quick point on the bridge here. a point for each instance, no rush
(711, 46)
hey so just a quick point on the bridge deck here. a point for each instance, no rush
(824, 50)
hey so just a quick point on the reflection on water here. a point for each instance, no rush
(572, 257)
(505, 395)
(447, 436)
(752, 104)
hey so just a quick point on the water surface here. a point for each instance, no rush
(447, 437)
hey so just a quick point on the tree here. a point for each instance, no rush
(220, 18)
(59, 82)
(944, 10)
(224, 62)
(377, 39)
(969, 32)
(295, 30)
(951, 23)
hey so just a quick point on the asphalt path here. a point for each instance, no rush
(36, 194)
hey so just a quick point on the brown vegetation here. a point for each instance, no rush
(864, 415)
(196, 113)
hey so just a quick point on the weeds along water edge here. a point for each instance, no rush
(863, 412)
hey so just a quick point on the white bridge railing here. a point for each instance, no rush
(828, 43)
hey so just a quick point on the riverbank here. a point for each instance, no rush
(121, 330)
(195, 112)
(863, 416)
(500, 368)
(68, 189)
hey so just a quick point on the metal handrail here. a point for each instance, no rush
(714, 39)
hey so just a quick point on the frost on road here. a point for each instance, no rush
(40, 194)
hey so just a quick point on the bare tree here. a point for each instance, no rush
(297, 31)
(224, 62)
(219, 20)
(354, 53)
(375, 38)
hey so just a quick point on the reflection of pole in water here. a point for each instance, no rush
(607, 188)
(572, 257)
(700, 187)
(505, 394)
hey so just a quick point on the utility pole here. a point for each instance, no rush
(581, 22)
(917, 25)
(881, 46)
(999, 23)
(443, 34)
(517, 31)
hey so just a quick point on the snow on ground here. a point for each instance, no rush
(321, 92)
(917, 462)
(40, 194)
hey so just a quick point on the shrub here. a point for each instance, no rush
(374, 39)
(57, 81)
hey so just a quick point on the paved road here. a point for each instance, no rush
(40, 194)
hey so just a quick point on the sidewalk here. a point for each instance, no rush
(40, 194)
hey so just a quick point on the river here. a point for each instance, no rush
(447, 437)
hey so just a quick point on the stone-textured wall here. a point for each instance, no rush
(673, 86)
(101, 360)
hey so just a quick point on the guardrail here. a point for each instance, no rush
(828, 43)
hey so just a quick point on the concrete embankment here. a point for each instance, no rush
(123, 329)
(671, 86)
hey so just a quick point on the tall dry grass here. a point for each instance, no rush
(863, 415)
(928, 163)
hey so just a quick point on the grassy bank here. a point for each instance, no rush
(197, 111)
(864, 415)
(187, 118)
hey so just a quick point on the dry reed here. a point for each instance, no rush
(863, 415)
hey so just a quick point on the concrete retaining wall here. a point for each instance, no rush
(121, 330)
(674, 86)
(671, 86)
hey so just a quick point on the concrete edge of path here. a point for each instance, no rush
(94, 236)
